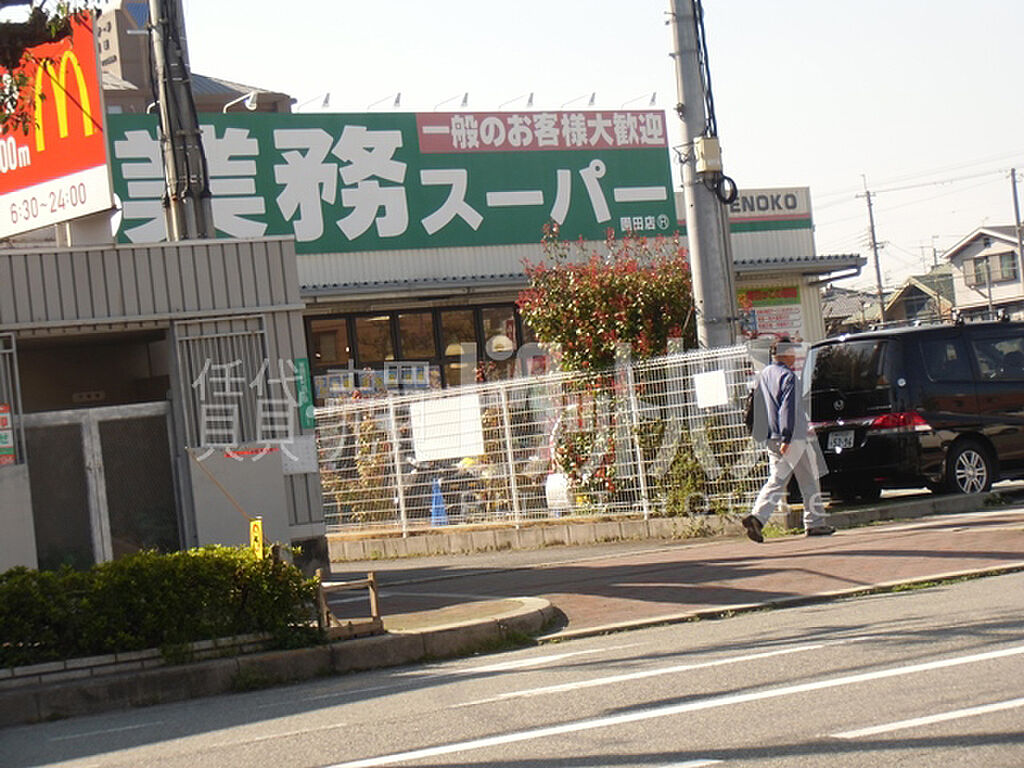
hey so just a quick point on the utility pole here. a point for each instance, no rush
(1016, 221)
(707, 235)
(874, 250)
(187, 191)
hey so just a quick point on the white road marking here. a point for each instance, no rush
(693, 764)
(105, 731)
(611, 679)
(440, 671)
(674, 709)
(929, 719)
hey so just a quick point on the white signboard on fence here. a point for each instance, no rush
(711, 388)
(447, 428)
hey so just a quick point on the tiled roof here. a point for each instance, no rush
(826, 262)
(112, 82)
(1005, 230)
(213, 86)
(843, 306)
(940, 281)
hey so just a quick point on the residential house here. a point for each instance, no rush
(987, 273)
(925, 298)
(845, 310)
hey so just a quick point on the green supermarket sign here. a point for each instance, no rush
(364, 182)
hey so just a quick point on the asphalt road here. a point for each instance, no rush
(921, 678)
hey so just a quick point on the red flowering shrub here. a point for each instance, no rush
(639, 292)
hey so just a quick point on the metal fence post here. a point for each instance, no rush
(634, 412)
(397, 454)
(510, 456)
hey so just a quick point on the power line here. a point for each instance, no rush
(923, 174)
(932, 197)
(957, 166)
(937, 182)
(921, 185)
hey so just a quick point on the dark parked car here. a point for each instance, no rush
(938, 406)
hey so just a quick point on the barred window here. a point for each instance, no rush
(224, 378)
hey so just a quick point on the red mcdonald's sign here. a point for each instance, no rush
(59, 170)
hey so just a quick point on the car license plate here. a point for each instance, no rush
(838, 441)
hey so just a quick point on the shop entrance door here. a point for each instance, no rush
(102, 483)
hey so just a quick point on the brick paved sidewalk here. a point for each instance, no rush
(637, 583)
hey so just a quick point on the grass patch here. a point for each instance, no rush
(776, 531)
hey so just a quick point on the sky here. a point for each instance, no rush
(914, 98)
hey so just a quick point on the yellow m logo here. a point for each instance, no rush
(58, 84)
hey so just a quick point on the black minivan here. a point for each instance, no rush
(939, 406)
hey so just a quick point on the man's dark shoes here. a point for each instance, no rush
(820, 530)
(753, 526)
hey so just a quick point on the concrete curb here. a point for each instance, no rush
(724, 611)
(908, 510)
(30, 704)
(581, 532)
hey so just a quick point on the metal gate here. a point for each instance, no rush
(102, 483)
(12, 437)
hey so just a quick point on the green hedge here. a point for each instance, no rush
(151, 600)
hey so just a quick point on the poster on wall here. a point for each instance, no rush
(771, 312)
(767, 313)
(7, 455)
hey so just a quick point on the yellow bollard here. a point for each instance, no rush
(256, 536)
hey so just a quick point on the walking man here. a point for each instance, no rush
(781, 418)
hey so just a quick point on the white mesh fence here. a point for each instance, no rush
(661, 437)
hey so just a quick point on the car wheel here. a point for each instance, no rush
(969, 468)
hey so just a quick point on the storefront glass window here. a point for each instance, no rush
(499, 331)
(457, 374)
(456, 330)
(416, 335)
(373, 339)
(330, 341)
(497, 370)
